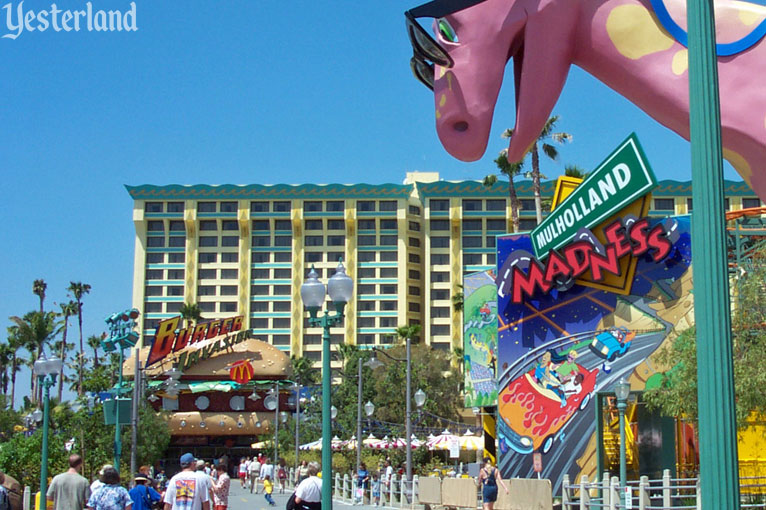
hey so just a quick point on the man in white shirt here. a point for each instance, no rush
(189, 489)
(308, 494)
(253, 472)
(387, 475)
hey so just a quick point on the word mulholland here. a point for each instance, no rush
(67, 20)
(166, 340)
(581, 256)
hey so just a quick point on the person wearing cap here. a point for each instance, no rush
(143, 495)
(189, 489)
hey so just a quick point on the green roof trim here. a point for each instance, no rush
(475, 189)
(670, 188)
(270, 192)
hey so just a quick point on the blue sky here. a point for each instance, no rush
(229, 91)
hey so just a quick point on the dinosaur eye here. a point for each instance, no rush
(446, 30)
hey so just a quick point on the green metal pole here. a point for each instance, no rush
(715, 380)
(117, 426)
(326, 417)
(621, 405)
(44, 468)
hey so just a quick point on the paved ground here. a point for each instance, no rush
(241, 499)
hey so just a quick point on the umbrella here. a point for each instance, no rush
(350, 444)
(382, 444)
(336, 443)
(470, 442)
(442, 441)
(370, 441)
(314, 445)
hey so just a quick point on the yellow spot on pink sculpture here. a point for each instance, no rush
(442, 100)
(635, 32)
(739, 163)
(438, 114)
(749, 14)
(680, 62)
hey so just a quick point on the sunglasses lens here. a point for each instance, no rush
(423, 71)
(425, 46)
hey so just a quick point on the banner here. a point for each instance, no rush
(480, 339)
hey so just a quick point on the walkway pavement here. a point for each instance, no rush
(241, 499)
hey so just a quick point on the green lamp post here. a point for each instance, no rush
(46, 370)
(622, 391)
(313, 292)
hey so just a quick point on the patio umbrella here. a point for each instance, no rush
(336, 443)
(470, 442)
(313, 445)
(370, 441)
(350, 444)
(442, 441)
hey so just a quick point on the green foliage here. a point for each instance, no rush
(677, 393)
(20, 457)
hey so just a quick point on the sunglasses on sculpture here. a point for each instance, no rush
(426, 51)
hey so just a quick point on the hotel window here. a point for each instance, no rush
(314, 241)
(259, 290)
(154, 274)
(173, 307)
(527, 204)
(414, 210)
(282, 290)
(155, 226)
(312, 355)
(471, 259)
(414, 226)
(177, 226)
(155, 258)
(206, 207)
(387, 205)
(335, 225)
(438, 259)
(726, 204)
(280, 339)
(285, 256)
(365, 290)
(283, 240)
(489, 241)
(230, 257)
(260, 257)
(387, 322)
(689, 204)
(282, 206)
(177, 241)
(413, 307)
(366, 224)
(229, 225)
(664, 204)
(208, 225)
(472, 205)
(228, 290)
(365, 322)
(414, 242)
(312, 256)
(155, 242)
(153, 308)
(414, 258)
(229, 274)
(491, 259)
(437, 294)
(283, 225)
(282, 273)
(207, 258)
(439, 225)
(439, 276)
(336, 240)
(388, 306)
(413, 290)
(365, 205)
(388, 225)
(367, 272)
(440, 242)
(496, 205)
(440, 329)
(174, 290)
(439, 205)
(313, 224)
(153, 207)
(259, 274)
(261, 241)
(388, 240)
(415, 275)
(496, 224)
(175, 274)
(747, 203)
(176, 258)
(366, 256)
(388, 272)
(334, 205)
(206, 290)
(365, 306)
(151, 323)
(439, 312)
(365, 240)
(259, 306)
(228, 207)
(261, 225)
(471, 224)
(281, 306)
(259, 323)
(175, 207)
(206, 274)
(208, 241)
(259, 207)
(526, 224)
(153, 291)
(312, 206)
(228, 306)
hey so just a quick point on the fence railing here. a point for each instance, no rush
(645, 494)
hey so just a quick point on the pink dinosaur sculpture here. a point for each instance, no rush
(620, 42)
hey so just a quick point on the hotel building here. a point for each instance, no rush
(245, 250)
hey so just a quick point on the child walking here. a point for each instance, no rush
(268, 488)
(375, 489)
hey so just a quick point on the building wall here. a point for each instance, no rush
(246, 250)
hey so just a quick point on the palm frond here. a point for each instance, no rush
(550, 151)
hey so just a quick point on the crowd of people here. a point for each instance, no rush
(260, 474)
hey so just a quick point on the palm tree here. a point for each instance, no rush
(575, 171)
(67, 310)
(15, 345)
(38, 288)
(35, 330)
(94, 342)
(304, 372)
(549, 150)
(78, 290)
(510, 170)
(6, 354)
(191, 313)
(412, 332)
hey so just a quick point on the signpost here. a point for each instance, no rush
(537, 463)
(623, 177)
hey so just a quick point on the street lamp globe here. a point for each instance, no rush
(341, 286)
(420, 398)
(270, 402)
(373, 362)
(37, 415)
(54, 366)
(313, 291)
(622, 389)
(369, 408)
(283, 416)
(41, 366)
(333, 412)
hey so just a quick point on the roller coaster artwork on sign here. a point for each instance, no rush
(570, 332)
(480, 339)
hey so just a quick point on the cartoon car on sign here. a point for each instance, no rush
(612, 343)
(533, 416)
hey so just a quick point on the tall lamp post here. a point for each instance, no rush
(622, 391)
(271, 402)
(340, 288)
(297, 388)
(46, 370)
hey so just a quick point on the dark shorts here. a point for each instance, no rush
(489, 493)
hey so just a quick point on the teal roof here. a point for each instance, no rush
(269, 192)
(670, 188)
(475, 189)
